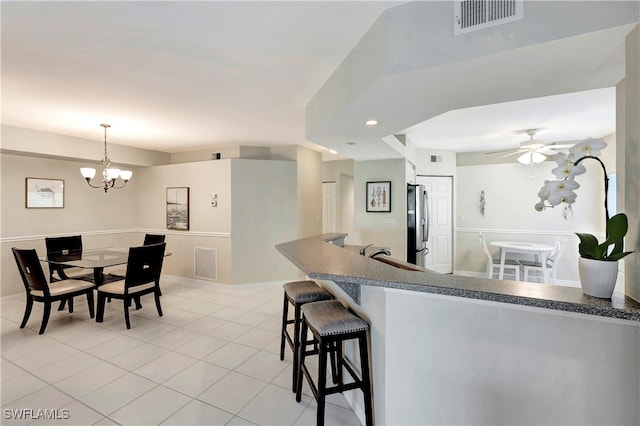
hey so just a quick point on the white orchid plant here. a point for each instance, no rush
(562, 191)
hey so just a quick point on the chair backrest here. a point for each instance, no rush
(30, 270)
(555, 254)
(144, 265)
(485, 249)
(153, 239)
(62, 248)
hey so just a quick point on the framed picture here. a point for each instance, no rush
(178, 208)
(42, 193)
(379, 196)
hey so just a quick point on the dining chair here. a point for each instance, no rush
(144, 266)
(66, 248)
(551, 264)
(38, 290)
(493, 265)
(153, 239)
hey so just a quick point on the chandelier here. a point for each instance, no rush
(109, 175)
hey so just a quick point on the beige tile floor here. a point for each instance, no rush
(212, 359)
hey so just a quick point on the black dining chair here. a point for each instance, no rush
(153, 239)
(142, 277)
(38, 290)
(63, 248)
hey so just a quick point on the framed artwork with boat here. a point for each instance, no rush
(178, 208)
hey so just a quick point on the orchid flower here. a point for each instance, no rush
(589, 146)
(560, 185)
(561, 191)
(566, 166)
(562, 196)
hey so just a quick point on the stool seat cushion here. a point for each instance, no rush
(330, 318)
(300, 292)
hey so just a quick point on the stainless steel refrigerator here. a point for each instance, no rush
(417, 224)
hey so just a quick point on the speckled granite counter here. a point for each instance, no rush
(320, 259)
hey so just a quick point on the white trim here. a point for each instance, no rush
(117, 231)
(517, 232)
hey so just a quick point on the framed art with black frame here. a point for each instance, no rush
(379, 196)
(178, 208)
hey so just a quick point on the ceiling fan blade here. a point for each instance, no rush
(546, 151)
(500, 151)
(556, 145)
(513, 153)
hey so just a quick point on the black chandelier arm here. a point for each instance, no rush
(107, 185)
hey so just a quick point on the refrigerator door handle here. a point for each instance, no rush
(425, 220)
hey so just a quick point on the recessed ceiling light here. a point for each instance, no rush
(350, 143)
(333, 151)
(371, 122)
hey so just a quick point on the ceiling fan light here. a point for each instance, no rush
(538, 158)
(525, 158)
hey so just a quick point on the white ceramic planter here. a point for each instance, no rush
(598, 277)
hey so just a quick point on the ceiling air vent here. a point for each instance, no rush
(472, 15)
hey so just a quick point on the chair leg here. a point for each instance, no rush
(126, 303)
(138, 304)
(338, 366)
(45, 316)
(366, 379)
(322, 382)
(297, 343)
(70, 303)
(156, 295)
(90, 303)
(285, 314)
(27, 311)
(102, 299)
(62, 303)
(298, 363)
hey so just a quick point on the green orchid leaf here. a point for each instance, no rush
(618, 256)
(617, 227)
(588, 245)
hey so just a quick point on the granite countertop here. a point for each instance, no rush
(320, 259)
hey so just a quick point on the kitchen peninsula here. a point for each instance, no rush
(462, 350)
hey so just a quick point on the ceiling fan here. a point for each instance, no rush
(534, 151)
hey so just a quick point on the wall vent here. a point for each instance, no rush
(472, 15)
(206, 263)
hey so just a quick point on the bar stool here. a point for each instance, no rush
(297, 293)
(332, 324)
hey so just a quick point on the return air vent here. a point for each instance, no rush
(472, 15)
(206, 263)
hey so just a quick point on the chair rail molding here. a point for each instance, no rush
(19, 238)
(517, 232)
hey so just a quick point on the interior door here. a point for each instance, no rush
(440, 219)
(328, 207)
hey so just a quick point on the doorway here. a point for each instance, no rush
(328, 207)
(439, 190)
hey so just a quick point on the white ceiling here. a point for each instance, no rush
(181, 76)
(559, 118)
(174, 76)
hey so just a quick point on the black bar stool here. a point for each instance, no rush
(331, 324)
(297, 293)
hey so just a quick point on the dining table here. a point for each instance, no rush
(538, 249)
(97, 260)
